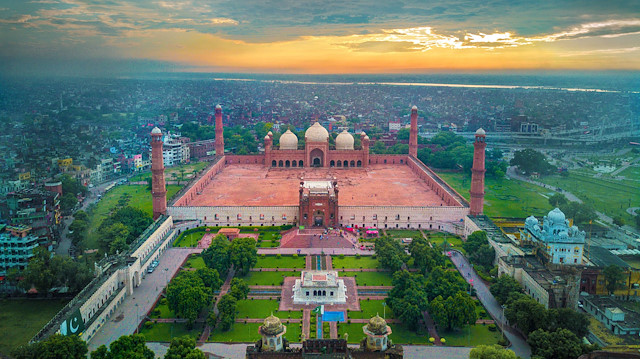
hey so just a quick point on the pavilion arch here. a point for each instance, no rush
(287, 163)
(346, 164)
(274, 163)
(280, 163)
(332, 163)
(339, 163)
(352, 164)
(359, 163)
(294, 163)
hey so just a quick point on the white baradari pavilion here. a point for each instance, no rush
(319, 287)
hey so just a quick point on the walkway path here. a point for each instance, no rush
(431, 328)
(223, 290)
(333, 330)
(238, 351)
(306, 322)
(136, 306)
(315, 251)
(518, 344)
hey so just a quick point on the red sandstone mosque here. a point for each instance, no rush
(319, 185)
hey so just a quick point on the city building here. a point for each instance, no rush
(561, 242)
(37, 209)
(613, 313)
(395, 126)
(16, 247)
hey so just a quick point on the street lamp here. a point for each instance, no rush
(137, 317)
(504, 320)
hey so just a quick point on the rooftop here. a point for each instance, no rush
(319, 278)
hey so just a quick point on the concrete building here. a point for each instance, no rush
(319, 287)
(613, 314)
(16, 247)
(39, 210)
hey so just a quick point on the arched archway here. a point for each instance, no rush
(280, 163)
(359, 164)
(318, 219)
(339, 163)
(346, 164)
(274, 163)
(353, 163)
(135, 282)
(300, 163)
(317, 158)
(287, 163)
(332, 163)
(294, 163)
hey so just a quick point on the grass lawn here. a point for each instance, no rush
(402, 335)
(504, 197)
(369, 308)
(632, 173)
(262, 308)
(605, 195)
(190, 168)
(268, 278)
(189, 239)
(21, 319)
(369, 278)
(163, 332)
(473, 335)
(240, 332)
(294, 331)
(140, 198)
(602, 332)
(195, 261)
(354, 330)
(165, 312)
(354, 262)
(281, 262)
(438, 238)
(402, 233)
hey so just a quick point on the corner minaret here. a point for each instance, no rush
(219, 143)
(477, 173)
(413, 136)
(158, 188)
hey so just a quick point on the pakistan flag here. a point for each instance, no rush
(74, 325)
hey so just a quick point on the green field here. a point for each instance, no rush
(605, 195)
(370, 278)
(195, 261)
(173, 173)
(21, 319)
(631, 173)
(165, 312)
(163, 332)
(354, 262)
(354, 330)
(281, 262)
(504, 197)
(473, 335)
(437, 239)
(268, 278)
(240, 332)
(402, 335)
(140, 198)
(369, 309)
(190, 239)
(402, 233)
(262, 308)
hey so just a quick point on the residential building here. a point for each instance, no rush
(16, 247)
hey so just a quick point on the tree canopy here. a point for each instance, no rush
(187, 295)
(454, 312)
(424, 256)
(408, 298)
(243, 254)
(55, 347)
(530, 161)
(239, 289)
(390, 253)
(491, 352)
(503, 287)
(127, 346)
(559, 344)
(184, 348)
(227, 311)
(217, 255)
(614, 278)
(45, 272)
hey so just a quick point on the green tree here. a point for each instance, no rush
(491, 352)
(618, 221)
(72, 185)
(243, 254)
(403, 134)
(529, 161)
(567, 318)
(454, 312)
(390, 253)
(424, 256)
(503, 287)
(560, 344)
(557, 200)
(442, 282)
(239, 289)
(81, 216)
(408, 298)
(78, 229)
(113, 238)
(614, 278)
(55, 347)
(227, 311)
(581, 213)
(527, 314)
(183, 348)
(378, 148)
(217, 255)
(68, 201)
(210, 278)
(187, 296)
(127, 346)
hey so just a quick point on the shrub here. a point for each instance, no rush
(163, 301)
(492, 327)
(295, 255)
(483, 314)
(373, 256)
(341, 256)
(148, 325)
(357, 255)
(278, 255)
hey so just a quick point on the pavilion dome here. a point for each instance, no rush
(156, 131)
(272, 325)
(480, 132)
(377, 325)
(344, 141)
(288, 141)
(316, 133)
(556, 216)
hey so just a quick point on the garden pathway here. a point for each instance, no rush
(329, 263)
(306, 323)
(518, 344)
(223, 290)
(431, 327)
(333, 330)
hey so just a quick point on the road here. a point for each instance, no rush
(518, 344)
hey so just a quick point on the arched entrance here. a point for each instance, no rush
(317, 158)
(318, 219)
(134, 280)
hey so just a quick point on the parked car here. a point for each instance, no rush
(151, 269)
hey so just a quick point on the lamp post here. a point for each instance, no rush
(504, 320)
(137, 317)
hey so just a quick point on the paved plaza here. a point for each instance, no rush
(256, 185)
(129, 314)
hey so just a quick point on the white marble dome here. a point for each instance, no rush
(156, 131)
(316, 133)
(344, 141)
(556, 216)
(480, 132)
(288, 141)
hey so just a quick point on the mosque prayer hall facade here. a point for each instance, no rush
(321, 185)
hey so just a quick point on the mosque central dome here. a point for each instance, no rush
(288, 141)
(316, 133)
(556, 216)
(344, 141)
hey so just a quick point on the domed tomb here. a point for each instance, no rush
(272, 325)
(288, 141)
(377, 325)
(344, 141)
(316, 133)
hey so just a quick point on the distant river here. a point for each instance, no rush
(430, 84)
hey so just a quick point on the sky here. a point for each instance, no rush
(77, 37)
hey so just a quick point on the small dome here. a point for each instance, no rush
(272, 325)
(156, 131)
(377, 325)
(269, 133)
(414, 107)
(366, 138)
(218, 107)
(363, 133)
(480, 132)
(267, 137)
(531, 221)
(344, 141)
(556, 216)
(288, 141)
(316, 133)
